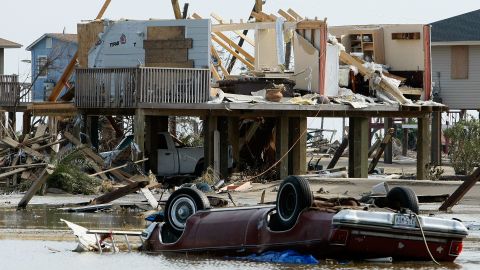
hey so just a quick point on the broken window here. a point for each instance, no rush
(42, 66)
(460, 62)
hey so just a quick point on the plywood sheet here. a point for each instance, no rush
(165, 32)
(187, 64)
(166, 55)
(168, 44)
(88, 36)
(460, 62)
(265, 50)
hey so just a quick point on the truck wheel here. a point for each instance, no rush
(199, 168)
(183, 203)
(293, 197)
(402, 197)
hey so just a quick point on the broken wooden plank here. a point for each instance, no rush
(380, 150)
(248, 64)
(119, 167)
(48, 144)
(14, 144)
(120, 192)
(384, 84)
(149, 196)
(338, 153)
(24, 166)
(287, 16)
(460, 192)
(233, 187)
(10, 173)
(98, 161)
(239, 33)
(35, 187)
(40, 131)
(168, 44)
(374, 147)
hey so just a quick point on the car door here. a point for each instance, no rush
(167, 156)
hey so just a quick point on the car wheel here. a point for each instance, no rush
(293, 196)
(402, 197)
(183, 203)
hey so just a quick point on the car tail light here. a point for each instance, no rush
(456, 248)
(339, 237)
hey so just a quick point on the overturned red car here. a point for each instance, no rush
(299, 222)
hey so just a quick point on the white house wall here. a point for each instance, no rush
(457, 94)
(403, 55)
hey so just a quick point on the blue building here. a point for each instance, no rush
(51, 53)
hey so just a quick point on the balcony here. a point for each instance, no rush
(130, 88)
(11, 92)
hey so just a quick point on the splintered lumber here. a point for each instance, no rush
(338, 153)
(258, 5)
(239, 33)
(10, 173)
(149, 196)
(89, 153)
(249, 135)
(119, 167)
(287, 16)
(374, 147)
(261, 17)
(384, 84)
(176, 9)
(14, 144)
(380, 150)
(120, 192)
(67, 73)
(239, 49)
(460, 192)
(49, 144)
(234, 53)
(39, 132)
(36, 185)
(294, 14)
(219, 61)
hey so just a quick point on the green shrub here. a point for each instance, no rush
(464, 149)
(69, 175)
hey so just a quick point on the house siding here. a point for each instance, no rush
(457, 94)
(132, 53)
(62, 52)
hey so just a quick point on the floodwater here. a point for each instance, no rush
(51, 255)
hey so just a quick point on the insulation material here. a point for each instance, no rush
(121, 42)
(279, 40)
(343, 76)
(306, 64)
(332, 71)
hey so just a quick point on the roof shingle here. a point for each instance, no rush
(464, 27)
(8, 44)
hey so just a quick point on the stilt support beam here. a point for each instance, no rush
(423, 144)
(358, 147)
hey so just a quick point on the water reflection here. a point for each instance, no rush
(46, 255)
(48, 217)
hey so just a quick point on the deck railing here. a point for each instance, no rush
(137, 87)
(9, 90)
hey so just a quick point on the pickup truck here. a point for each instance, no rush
(175, 158)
